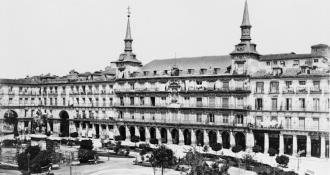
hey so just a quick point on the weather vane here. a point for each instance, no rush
(128, 11)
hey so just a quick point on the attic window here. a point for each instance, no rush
(282, 63)
(165, 72)
(202, 71)
(190, 71)
(268, 63)
(216, 70)
(275, 62)
(316, 60)
(145, 73)
(295, 62)
(155, 72)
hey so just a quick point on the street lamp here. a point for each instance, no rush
(28, 161)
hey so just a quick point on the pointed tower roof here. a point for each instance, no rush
(128, 28)
(246, 19)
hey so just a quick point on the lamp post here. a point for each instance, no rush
(28, 161)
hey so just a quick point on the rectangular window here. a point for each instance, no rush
(316, 123)
(259, 104)
(301, 122)
(316, 60)
(239, 119)
(302, 103)
(225, 119)
(274, 87)
(225, 85)
(131, 101)
(316, 104)
(288, 104)
(210, 117)
(199, 82)
(141, 100)
(199, 102)
(186, 117)
(199, 117)
(121, 101)
(288, 84)
(288, 122)
(259, 120)
(225, 102)
(260, 87)
(153, 101)
(274, 104)
(275, 62)
(302, 83)
(268, 63)
(295, 62)
(316, 85)
(282, 63)
(239, 103)
(211, 101)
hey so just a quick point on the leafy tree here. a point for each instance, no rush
(248, 160)
(116, 149)
(256, 148)
(86, 144)
(11, 119)
(195, 160)
(163, 157)
(236, 148)
(118, 138)
(135, 139)
(216, 147)
(282, 160)
(206, 148)
(154, 141)
(272, 152)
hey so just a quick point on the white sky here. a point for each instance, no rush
(43, 36)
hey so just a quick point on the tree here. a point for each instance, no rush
(272, 152)
(236, 148)
(248, 160)
(282, 160)
(195, 160)
(216, 147)
(206, 148)
(256, 149)
(11, 119)
(163, 157)
(86, 144)
(135, 139)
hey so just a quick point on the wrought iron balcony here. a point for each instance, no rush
(287, 90)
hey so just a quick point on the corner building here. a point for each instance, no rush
(278, 101)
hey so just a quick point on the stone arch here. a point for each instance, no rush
(163, 135)
(12, 126)
(199, 138)
(64, 124)
(152, 132)
(175, 136)
(132, 131)
(187, 137)
(260, 140)
(212, 137)
(240, 139)
(122, 132)
(225, 139)
(142, 132)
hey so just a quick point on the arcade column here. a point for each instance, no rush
(266, 143)
(181, 137)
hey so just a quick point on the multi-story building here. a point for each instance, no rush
(278, 101)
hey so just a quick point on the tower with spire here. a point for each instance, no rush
(245, 55)
(127, 62)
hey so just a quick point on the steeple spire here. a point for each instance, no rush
(128, 38)
(246, 26)
(246, 19)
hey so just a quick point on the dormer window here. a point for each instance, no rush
(316, 60)
(282, 63)
(268, 63)
(199, 82)
(301, 83)
(165, 72)
(216, 70)
(145, 73)
(275, 62)
(190, 71)
(202, 71)
(296, 63)
(155, 72)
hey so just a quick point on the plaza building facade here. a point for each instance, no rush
(278, 101)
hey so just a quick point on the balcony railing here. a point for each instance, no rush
(302, 90)
(287, 90)
(237, 106)
(315, 90)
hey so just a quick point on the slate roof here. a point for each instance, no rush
(287, 56)
(196, 63)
